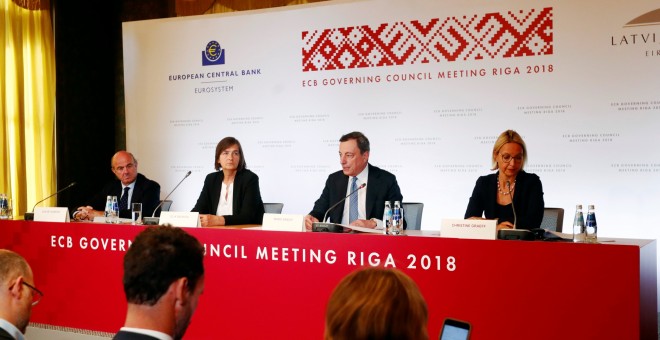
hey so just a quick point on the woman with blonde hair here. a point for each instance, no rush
(495, 196)
(376, 303)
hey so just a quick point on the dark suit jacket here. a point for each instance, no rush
(527, 199)
(145, 191)
(123, 335)
(247, 206)
(381, 187)
(4, 335)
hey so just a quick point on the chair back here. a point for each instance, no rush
(166, 205)
(412, 213)
(273, 208)
(553, 219)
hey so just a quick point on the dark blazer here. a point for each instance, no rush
(381, 186)
(247, 206)
(124, 335)
(4, 335)
(145, 191)
(527, 199)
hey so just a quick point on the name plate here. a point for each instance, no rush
(473, 229)
(55, 214)
(180, 219)
(283, 222)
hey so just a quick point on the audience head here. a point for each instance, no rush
(376, 303)
(353, 153)
(125, 167)
(229, 155)
(509, 152)
(164, 269)
(17, 291)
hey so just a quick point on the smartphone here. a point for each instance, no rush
(453, 329)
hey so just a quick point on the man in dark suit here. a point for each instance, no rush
(163, 279)
(130, 186)
(17, 295)
(366, 207)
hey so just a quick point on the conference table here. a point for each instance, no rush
(275, 284)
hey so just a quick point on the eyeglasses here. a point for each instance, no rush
(506, 158)
(128, 166)
(36, 293)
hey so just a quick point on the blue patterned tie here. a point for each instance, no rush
(353, 203)
(123, 201)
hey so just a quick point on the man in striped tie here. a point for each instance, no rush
(129, 187)
(367, 188)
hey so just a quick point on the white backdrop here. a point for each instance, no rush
(586, 100)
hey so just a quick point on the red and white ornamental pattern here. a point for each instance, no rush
(487, 36)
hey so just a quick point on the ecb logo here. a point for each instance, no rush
(213, 54)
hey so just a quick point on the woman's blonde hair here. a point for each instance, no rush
(508, 136)
(376, 303)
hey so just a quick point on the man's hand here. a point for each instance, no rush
(365, 224)
(309, 219)
(86, 213)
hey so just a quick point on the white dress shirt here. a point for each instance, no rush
(362, 197)
(225, 205)
(149, 332)
(11, 329)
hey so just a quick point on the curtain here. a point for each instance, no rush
(197, 7)
(27, 105)
(223, 6)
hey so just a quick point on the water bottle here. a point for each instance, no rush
(397, 219)
(578, 225)
(387, 218)
(107, 213)
(115, 210)
(401, 220)
(591, 226)
(4, 207)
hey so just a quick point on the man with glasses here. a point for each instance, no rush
(17, 295)
(510, 189)
(129, 187)
(163, 280)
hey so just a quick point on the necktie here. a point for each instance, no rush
(353, 203)
(123, 201)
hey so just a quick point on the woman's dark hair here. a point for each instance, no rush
(223, 145)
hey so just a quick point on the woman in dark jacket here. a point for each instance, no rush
(494, 194)
(231, 195)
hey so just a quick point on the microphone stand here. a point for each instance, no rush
(508, 186)
(324, 226)
(153, 220)
(514, 234)
(29, 216)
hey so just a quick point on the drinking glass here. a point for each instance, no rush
(136, 213)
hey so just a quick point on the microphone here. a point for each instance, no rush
(508, 186)
(153, 220)
(324, 226)
(514, 234)
(29, 216)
